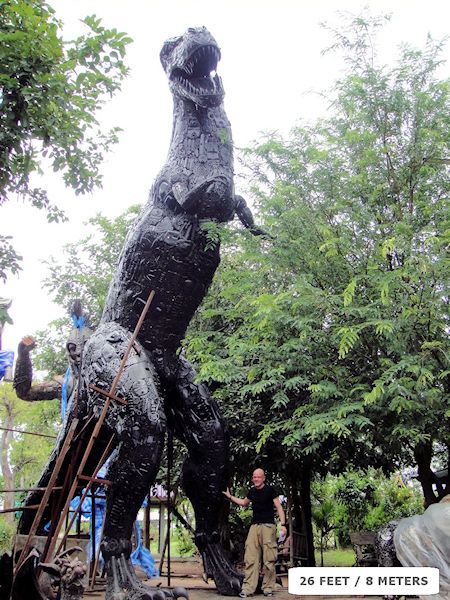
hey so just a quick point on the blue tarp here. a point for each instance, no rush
(6, 360)
(64, 398)
(141, 556)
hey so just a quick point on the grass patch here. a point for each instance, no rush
(343, 557)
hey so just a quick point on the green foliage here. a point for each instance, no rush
(366, 500)
(213, 232)
(9, 258)
(329, 342)
(359, 500)
(25, 455)
(324, 518)
(4, 315)
(50, 93)
(83, 270)
(7, 531)
(185, 542)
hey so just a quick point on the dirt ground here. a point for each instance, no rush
(188, 573)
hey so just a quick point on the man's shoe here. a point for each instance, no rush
(268, 593)
(242, 594)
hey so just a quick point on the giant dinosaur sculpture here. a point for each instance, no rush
(167, 251)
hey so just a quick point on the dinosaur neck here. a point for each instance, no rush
(201, 145)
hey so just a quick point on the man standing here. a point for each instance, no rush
(261, 540)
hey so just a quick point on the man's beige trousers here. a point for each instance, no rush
(260, 545)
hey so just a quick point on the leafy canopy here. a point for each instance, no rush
(331, 340)
(50, 93)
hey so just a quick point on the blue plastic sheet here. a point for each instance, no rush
(6, 361)
(141, 556)
(64, 392)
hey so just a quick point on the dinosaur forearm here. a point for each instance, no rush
(23, 373)
(23, 376)
(47, 390)
(245, 216)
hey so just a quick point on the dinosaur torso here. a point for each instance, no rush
(168, 250)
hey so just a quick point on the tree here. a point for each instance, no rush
(50, 93)
(323, 516)
(330, 341)
(23, 456)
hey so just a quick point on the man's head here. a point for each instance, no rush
(258, 478)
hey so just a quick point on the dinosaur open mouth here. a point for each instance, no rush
(198, 75)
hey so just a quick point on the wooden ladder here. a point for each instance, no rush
(72, 482)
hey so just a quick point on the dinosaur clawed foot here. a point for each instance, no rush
(218, 567)
(123, 583)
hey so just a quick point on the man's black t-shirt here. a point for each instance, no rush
(262, 504)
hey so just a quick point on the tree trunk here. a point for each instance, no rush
(305, 498)
(299, 477)
(423, 454)
(8, 478)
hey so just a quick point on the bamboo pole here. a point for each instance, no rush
(53, 437)
(19, 509)
(37, 489)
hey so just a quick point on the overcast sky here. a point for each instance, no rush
(271, 61)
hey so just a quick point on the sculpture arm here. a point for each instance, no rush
(23, 376)
(245, 216)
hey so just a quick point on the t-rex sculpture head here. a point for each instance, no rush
(190, 62)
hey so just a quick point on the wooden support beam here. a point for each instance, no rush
(19, 509)
(98, 480)
(107, 394)
(39, 489)
(48, 491)
(78, 509)
(53, 437)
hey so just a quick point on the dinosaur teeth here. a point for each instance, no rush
(198, 75)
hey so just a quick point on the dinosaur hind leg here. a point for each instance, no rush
(139, 426)
(197, 422)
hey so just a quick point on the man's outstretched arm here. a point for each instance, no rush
(235, 500)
